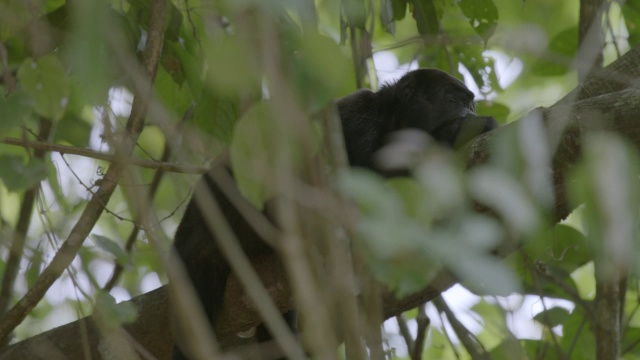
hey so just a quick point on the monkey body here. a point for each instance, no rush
(427, 99)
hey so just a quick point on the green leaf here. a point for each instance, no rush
(17, 175)
(15, 17)
(424, 12)
(74, 130)
(498, 111)
(89, 51)
(175, 96)
(35, 265)
(47, 83)
(578, 335)
(355, 12)
(631, 12)
(321, 71)
(482, 15)
(112, 247)
(607, 183)
(114, 314)
(562, 50)
(13, 110)
(387, 16)
(552, 317)
(509, 349)
(217, 116)
(562, 247)
(630, 341)
(399, 9)
(373, 196)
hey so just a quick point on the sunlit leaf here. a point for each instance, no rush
(482, 15)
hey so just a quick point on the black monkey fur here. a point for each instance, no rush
(426, 99)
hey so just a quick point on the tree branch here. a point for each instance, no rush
(65, 149)
(20, 234)
(94, 208)
(615, 112)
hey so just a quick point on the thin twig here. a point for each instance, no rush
(423, 324)
(65, 149)
(406, 334)
(153, 188)
(468, 340)
(95, 207)
(20, 233)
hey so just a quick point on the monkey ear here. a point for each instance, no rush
(406, 88)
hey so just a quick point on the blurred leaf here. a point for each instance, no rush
(320, 71)
(399, 9)
(498, 111)
(482, 15)
(217, 116)
(411, 193)
(508, 350)
(424, 12)
(552, 317)
(561, 51)
(114, 315)
(74, 130)
(14, 16)
(34, 268)
(89, 50)
(440, 347)
(17, 175)
(175, 96)
(47, 83)
(393, 244)
(550, 258)
(563, 247)
(371, 193)
(225, 56)
(630, 341)
(190, 65)
(631, 12)
(506, 196)
(258, 141)
(480, 66)
(577, 334)
(387, 16)
(355, 12)
(476, 270)
(540, 349)
(494, 324)
(606, 181)
(122, 257)
(13, 109)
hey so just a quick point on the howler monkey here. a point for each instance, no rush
(427, 99)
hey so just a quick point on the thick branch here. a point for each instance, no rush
(614, 112)
(65, 149)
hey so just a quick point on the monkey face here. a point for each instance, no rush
(440, 105)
